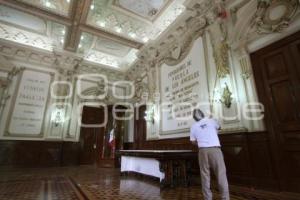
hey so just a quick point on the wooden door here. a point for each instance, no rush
(113, 137)
(277, 73)
(91, 137)
(140, 126)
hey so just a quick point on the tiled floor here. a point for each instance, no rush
(86, 183)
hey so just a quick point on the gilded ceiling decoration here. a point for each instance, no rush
(107, 33)
(133, 19)
(116, 34)
(275, 15)
(61, 7)
(145, 8)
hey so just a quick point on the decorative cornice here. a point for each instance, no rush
(27, 38)
(269, 20)
(3, 82)
(179, 38)
(260, 18)
(32, 9)
(58, 60)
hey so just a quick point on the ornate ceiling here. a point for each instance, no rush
(108, 33)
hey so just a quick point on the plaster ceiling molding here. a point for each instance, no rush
(144, 8)
(127, 18)
(126, 27)
(86, 43)
(274, 15)
(61, 7)
(23, 20)
(48, 60)
(21, 53)
(67, 62)
(21, 38)
(107, 52)
(93, 92)
(70, 62)
(129, 59)
(39, 42)
(103, 16)
(4, 14)
(167, 18)
(206, 9)
(114, 75)
(111, 21)
(51, 34)
(7, 50)
(179, 51)
(57, 34)
(111, 47)
(3, 33)
(33, 57)
(102, 58)
(140, 32)
(211, 17)
(235, 7)
(244, 28)
(26, 38)
(174, 46)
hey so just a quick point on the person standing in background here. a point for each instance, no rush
(204, 134)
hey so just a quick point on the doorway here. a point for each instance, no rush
(90, 137)
(103, 135)
(277, 74)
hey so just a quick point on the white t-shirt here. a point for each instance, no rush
(205, 132)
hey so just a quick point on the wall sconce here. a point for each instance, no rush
(226, 97)
(58, 116)
(149, 114)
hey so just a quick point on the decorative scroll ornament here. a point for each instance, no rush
(222, 59)
(274, 16)
(175, 54)
(171, 49)
(99, 92)
(179, 52)
(141, 90)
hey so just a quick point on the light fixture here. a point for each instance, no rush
(92, 7)
(48, 4)
(58, 116)
(118, 29)
(82, 37)
(102, 24)
(133, 35)
(145, 39)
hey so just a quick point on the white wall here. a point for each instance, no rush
(244, 34)
(68, 129)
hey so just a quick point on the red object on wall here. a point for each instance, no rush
(222, 14)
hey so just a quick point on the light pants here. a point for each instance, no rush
(212, 158)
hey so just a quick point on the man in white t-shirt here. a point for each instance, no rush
(204, 134)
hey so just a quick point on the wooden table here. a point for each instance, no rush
(172, 167)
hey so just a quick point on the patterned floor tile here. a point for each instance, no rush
(88, 183)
